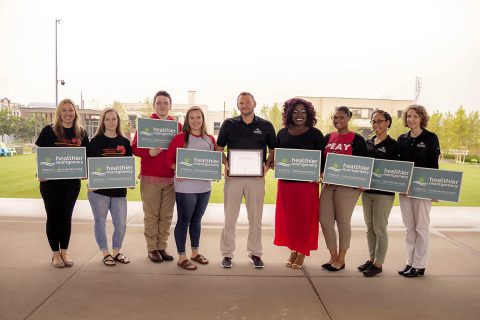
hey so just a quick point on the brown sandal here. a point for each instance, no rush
(187, 265)
(290, 260)
(298, 264)
(200, 259)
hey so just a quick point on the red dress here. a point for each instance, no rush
(296, 216)
(297, 206)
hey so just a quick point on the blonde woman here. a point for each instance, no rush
(59, 196)
(109, 142)
(191, 195)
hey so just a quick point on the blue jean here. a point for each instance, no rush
(118, 209)
(190, 210)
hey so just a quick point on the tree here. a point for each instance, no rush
(122, 113)
(26, 129)
(275, 117)
(397, 128)
(147, 110)
(8, 122)
(235, 112)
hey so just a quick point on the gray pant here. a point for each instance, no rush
(235, 188)
(376, 210)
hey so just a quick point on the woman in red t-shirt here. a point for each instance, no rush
(337, 202)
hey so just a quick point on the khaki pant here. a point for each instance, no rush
(336, 205)
(253, 188)
(158, 202)
(376, 210)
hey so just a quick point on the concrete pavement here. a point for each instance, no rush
(30, 288)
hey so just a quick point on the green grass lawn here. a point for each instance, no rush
(18, 181)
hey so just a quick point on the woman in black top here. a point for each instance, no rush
(59, 196)
(421, 147)
(109, 142)
(297, 206)
(378, 204)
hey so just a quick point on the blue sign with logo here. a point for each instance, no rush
(345, 170)
(198, 164)
(297, 164)
(436, 184)
(153, 133)
(111, 172)
(55, 163)
(391, 176)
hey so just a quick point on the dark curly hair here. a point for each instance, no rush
(288, 107)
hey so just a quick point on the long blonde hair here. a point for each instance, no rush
(57, 122)
(101, 124)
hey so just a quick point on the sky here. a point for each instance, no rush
(128, 50)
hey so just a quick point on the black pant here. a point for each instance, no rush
(59, 197)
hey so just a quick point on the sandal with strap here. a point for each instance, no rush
(298, 263)
(200, 259)
(120, 257)
(108, 260)
(187, 265)
(293, 256)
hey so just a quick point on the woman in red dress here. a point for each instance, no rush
(297, 206)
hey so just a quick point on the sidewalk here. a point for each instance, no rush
(30, 288)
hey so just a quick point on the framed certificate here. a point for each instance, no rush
(198, 164)
(245, 163)
(111, 172)
(56, 163)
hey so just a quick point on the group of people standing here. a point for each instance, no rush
(300, 205)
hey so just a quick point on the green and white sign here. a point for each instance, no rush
(111, 172)
(297, 164)
(198, 164)
(55, 163)
(436, 184)
(153, 133)
(391, 176)
(345, 170)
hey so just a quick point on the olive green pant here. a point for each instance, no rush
(376, 210)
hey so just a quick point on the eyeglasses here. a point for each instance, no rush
(338, 118)
(373, 122)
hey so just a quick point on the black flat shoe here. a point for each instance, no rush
(372, 271)
(414, 272)
(333, 269)
(401, 272)
(365, 266)
(326, 265)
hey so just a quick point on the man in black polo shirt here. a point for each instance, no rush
(247, 131)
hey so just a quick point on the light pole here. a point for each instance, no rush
(57, 22)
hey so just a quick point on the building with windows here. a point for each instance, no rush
(361, 108)
(44, 113)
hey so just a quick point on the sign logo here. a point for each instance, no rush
(47, 161)
(335, 167)
(186, 162)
